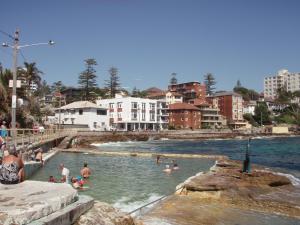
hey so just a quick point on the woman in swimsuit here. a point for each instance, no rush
(12, 170)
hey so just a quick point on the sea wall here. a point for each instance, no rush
(32, 167)
(85, 138)
(48, 152)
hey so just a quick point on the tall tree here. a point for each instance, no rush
(248, 94)
(87, 78)
(173, 79)
(43, 89)
(238, 84)
(209, 81)
(31, 76)
(57, 86)
(113, 83)
(3, 92)
(262, 114)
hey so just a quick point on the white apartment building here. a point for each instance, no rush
(132, 114)
(83, 114)
(283, 79)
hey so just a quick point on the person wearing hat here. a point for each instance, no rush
(12, 170)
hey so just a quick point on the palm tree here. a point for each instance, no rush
(31, 75)
(5, 76)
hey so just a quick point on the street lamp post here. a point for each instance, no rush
(16, 48)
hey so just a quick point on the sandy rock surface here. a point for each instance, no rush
(104, 214)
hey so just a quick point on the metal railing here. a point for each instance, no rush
(139, 209)
(25, 137)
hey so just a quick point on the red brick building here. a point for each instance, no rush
(189, 90)
(184, 116)
(231, 106)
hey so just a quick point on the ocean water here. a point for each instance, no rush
(131, 182)
(279, 153)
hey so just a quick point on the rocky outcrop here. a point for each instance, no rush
(31, 200)
(228, 196)
(104, 214)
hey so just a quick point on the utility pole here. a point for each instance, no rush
(14, 92)
(16, 48)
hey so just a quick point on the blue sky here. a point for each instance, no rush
(149, 40)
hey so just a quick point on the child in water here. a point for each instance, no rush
(77, 182)
(52, 179)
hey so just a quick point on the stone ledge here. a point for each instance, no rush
(31, 200)
(69, 214)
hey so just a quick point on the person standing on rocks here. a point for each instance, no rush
(65, 173)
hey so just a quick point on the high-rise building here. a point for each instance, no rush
(283, 79)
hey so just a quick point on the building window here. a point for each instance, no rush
(119, 105)
(134, 115)
(119, 115)
(133, 105)
(152, 116)
(80, 111)
(111, 105)
(143, 116)
(111, 115)
(152, 106)
(143, 106)
(102, 112)
(95, 124)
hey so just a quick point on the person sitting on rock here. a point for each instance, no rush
(12, 170)
(39, 156)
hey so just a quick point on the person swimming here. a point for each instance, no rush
(78, 183)
(167, 169)
(52, 179)
(175, 165)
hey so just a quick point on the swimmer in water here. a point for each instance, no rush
(175, 165)
(167, 169)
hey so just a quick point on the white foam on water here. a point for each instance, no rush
(295, 181)
(164, 139)
(125, 205)
(114, 144)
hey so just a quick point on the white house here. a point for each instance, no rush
(173, 97)
(83, 114)
(249, 107)
(130, 113)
